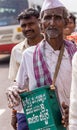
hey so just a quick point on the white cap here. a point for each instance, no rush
(50, 4)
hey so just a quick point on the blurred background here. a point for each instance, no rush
(10, 35)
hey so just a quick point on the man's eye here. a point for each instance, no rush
(23, 25)
(31, 23)
(47, 18)
(58, 17)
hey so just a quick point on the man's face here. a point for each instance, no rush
(71, 25)
(30, 27)
(53, 23)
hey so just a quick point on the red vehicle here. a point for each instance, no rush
(10, 32)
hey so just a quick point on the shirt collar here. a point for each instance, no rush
(47, 46)
(24, 44)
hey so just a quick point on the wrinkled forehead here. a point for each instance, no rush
(55, 11)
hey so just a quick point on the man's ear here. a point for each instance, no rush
(41, 27)
(65, 22)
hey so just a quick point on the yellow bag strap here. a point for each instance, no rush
(57, 67)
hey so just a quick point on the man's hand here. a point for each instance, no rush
(65, 116)
(13, 96)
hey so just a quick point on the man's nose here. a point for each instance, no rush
(27, 27)
(52, 21)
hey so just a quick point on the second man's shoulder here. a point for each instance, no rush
(29, 50)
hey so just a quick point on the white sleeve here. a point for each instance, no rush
(13, 66)
(22, 76)
(73, 96)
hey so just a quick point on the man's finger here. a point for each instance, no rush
(24, 90)
(64, 105)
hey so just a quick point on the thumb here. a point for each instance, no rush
(64, 105)
(22, 91)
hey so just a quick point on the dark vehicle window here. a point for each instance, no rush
(9, 10)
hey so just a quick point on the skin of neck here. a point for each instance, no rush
(56, 43)
(36, 40)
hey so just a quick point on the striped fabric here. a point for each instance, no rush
(42, 74)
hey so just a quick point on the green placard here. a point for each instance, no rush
(41, 109)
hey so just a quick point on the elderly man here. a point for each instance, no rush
(38, 66)
(73, 96)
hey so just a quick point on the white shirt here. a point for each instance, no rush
(63, 82)
(73, 96)
(15, 60)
